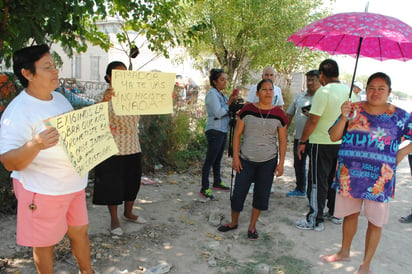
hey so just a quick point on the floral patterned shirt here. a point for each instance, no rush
(367, 156)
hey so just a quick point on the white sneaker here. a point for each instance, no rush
(320, 227)
(303, 224)
(336, 220)
(333, 219)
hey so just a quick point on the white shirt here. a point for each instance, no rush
(300, 109)
(277, 96)
(51, 171)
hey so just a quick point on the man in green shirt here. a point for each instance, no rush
(323, 152)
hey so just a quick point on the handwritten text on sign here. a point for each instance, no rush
(140, 92)
(86, 136)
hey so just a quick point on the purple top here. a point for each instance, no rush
(367, 156)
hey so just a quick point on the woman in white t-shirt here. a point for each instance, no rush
(51, 200)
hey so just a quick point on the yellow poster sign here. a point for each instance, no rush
(140, 92)
(86, 136)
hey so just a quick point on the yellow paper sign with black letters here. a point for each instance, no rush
(86, 136)
(142, 93)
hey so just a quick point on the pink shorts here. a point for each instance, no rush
(42, 220)
(377, 213)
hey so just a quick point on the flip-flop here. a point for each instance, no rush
(118, 231)
(139, 220)
(226, 228)
(331, 259)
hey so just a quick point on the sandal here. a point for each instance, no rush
(118, 231)
(226, 228)
(406, 220)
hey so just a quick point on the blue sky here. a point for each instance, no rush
(400, 72)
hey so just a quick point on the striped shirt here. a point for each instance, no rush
(260, 142)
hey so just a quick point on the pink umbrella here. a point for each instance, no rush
(358, 34)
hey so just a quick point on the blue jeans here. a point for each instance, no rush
(262, 174)
(300, 166)
(216, 142)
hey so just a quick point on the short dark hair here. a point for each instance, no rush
(214, 75)
(382, 76)
(113, 65)
(261, 82)
(329, 68)
(25, 58)
(312, 73)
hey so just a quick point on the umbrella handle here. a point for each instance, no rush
(351, 116)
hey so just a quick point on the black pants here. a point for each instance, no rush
(322, 168)
(216, 142)
(300, 166)
(117, 179)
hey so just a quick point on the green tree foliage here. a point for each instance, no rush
(157, 20)
(249, 34)
(176, 141)
(71, 23)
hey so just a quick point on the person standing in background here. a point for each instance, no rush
(268, 73)
(217, 126)
(255, 158)
(118, 178)
(407, 219)
(323, 152)
(300, 107)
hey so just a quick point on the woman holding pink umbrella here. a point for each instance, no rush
(367, 161)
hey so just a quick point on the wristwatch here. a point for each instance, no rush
(302, 143)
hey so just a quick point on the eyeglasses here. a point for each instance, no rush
(50, 67)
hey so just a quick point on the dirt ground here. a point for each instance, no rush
(179, 233)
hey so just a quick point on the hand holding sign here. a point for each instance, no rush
(47, 138)
(108, 94)
(86, 136)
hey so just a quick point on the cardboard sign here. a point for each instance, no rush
(86, 136)
(140, 92)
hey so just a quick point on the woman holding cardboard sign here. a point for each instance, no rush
(50, 193)
(118, 177)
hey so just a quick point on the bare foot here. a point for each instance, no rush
(130, 216)
(114, 224)
(363, 270)
(334, 258)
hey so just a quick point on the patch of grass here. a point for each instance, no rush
(290, 265)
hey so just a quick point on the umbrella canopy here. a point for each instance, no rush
(358, 34)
